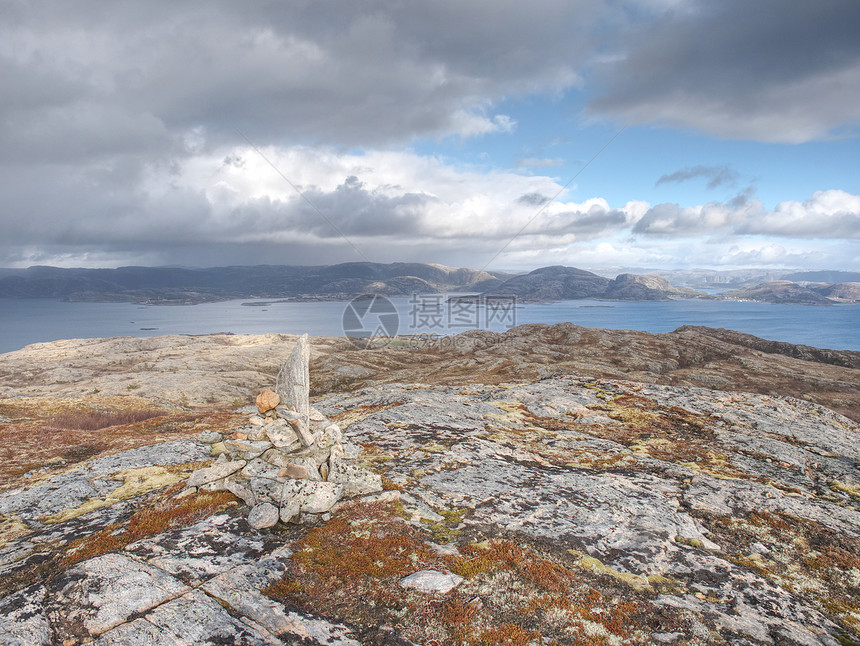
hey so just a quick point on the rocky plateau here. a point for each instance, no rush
(548, 485)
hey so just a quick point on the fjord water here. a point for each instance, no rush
(35, 320)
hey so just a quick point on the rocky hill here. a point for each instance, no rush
(791, 293)
(780, 291)
(839, 292)
(633, 287)
(553, 484)
(559, 283)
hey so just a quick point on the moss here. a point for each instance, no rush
(351, 566)
(844, 487)
(446, 530)
(12, 527)
(638, 582)
(667, 584)
(806, 559)
(161, 514)
(513, 412)
(692, 542)
(134, 483)
(434, 447)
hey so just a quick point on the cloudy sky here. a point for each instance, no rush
(482, 133)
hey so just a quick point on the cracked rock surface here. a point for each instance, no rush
(734, 518)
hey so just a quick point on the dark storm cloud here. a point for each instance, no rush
(768, 70)
(364, 73)
(716, 175)
(353, 210)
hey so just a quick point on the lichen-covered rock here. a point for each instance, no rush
(263, 515)
(718, 517)
(644, 484)
(248, 449)
(355, 480)
(209, 437)
(215, 472)
(293, 384)
(106, 591)
(282, 435)
(312, 497)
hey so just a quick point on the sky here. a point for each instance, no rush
(492, 134)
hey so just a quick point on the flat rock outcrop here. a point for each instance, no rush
(716, 517)
(553, 508)
(221, 369)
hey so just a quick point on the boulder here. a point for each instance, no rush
(431, 581)
(263, 515)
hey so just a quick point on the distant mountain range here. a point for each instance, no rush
(177, 285)
(169, 285)
(785, 291)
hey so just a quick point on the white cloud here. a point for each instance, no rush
(826, 214)
(121, 132)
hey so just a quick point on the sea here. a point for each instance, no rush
(27, 321)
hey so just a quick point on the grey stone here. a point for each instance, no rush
(355, 480)
(312, 497)
(293, 383)
(71, 489)
(239, 588)
(240, 487)
(263, 515)
(431, 581)
(302, 430)
(207, 548)
(259, 468)
(215, 472)
(22, 619)
(281, 434)
(290, 509)
(268, 489)
(490, 459)
(276, 458)
(248, 449)
(190, 619)
(209, 437)
(105, 591)
(217, 485)
(256, 433)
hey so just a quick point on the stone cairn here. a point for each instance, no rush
(289, 462)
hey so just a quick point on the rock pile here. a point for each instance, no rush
(289, 462)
